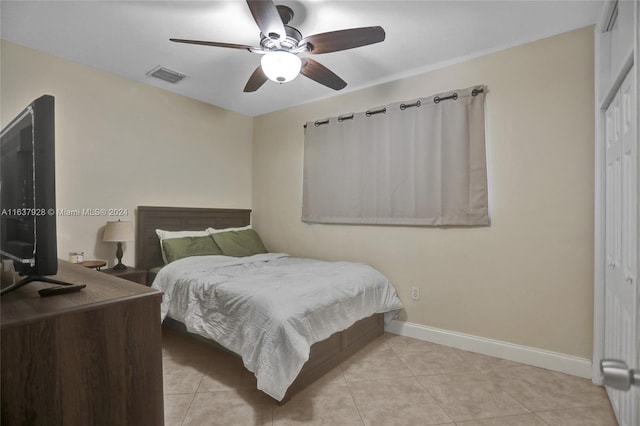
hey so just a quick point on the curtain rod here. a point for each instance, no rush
(436, 100)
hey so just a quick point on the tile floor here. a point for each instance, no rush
(393, 381)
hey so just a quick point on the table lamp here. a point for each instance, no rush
(118, 232)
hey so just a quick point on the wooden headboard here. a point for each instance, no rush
(149, 219)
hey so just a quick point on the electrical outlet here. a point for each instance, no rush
(415, 293)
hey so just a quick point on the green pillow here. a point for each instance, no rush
(177, 248)
(239, 243)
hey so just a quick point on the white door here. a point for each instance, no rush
(621, 216)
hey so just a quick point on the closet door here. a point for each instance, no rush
(621, 215)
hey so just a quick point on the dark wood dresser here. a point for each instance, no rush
(92, 357)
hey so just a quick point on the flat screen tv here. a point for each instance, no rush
(28, 195)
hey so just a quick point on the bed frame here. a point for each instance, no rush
(324, 355)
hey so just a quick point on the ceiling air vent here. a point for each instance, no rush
(166, 74)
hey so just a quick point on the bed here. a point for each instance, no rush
(323, 355)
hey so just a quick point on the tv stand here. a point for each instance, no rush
(32, 278)
(86, 358)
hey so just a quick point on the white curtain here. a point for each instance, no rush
(420, 162)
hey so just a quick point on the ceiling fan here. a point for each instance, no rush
(280, 45)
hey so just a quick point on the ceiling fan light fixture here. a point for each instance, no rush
(281, 66)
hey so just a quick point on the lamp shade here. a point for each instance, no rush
(118, 231)
(280, 66)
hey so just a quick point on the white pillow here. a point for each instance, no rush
(168, 235)
(217, 231)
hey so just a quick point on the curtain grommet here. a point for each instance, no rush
(405, 106)
(370, 113)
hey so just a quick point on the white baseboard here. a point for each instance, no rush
(524, 354)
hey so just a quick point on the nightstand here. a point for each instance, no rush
(136, 275)
(93, 264)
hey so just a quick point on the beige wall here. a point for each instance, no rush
(526, 279)
(120, 144)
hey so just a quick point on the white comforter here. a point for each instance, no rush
(270, 308)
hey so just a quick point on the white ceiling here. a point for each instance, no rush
(131, 38)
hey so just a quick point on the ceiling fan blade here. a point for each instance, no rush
(256, 80)
(213, 43)
(323, 75)
(267, 17)
(334, 41)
